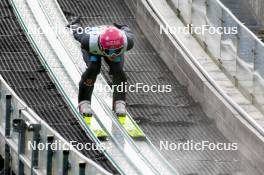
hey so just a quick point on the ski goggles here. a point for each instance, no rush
(112, 52)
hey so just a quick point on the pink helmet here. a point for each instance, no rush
(112, 41)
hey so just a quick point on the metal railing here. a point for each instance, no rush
(21, 130)
(237, 50)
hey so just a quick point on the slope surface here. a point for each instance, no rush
(172, 117)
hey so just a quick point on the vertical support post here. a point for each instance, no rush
(35, 153)
(7, 160)
(8, 115)
(82, 168)
(49, 155)
(65, 165)
(21, 151)
(21, 148)
(19, 125)
(7, 133)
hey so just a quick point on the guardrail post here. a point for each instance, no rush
(66, 164)
(82, 168)
(7, 160)
(7, 133)
(49, 155)
(8, 115)
(20, 126)
(35, 152)
(21, 151)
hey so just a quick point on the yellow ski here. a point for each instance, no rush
(130, 126)
(92, 123)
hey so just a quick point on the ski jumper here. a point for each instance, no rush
(93, 54)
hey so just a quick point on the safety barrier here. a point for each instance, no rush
(21, 130)
(237, 51)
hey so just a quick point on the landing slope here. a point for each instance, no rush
(172, 117)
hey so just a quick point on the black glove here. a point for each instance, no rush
(77, 20)
(119, 26)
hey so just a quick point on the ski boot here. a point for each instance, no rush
(86, 111)
(129, 125)
(120, 110)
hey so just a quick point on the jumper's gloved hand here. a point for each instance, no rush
(74, 25)
(119, 26)
(74, 22)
